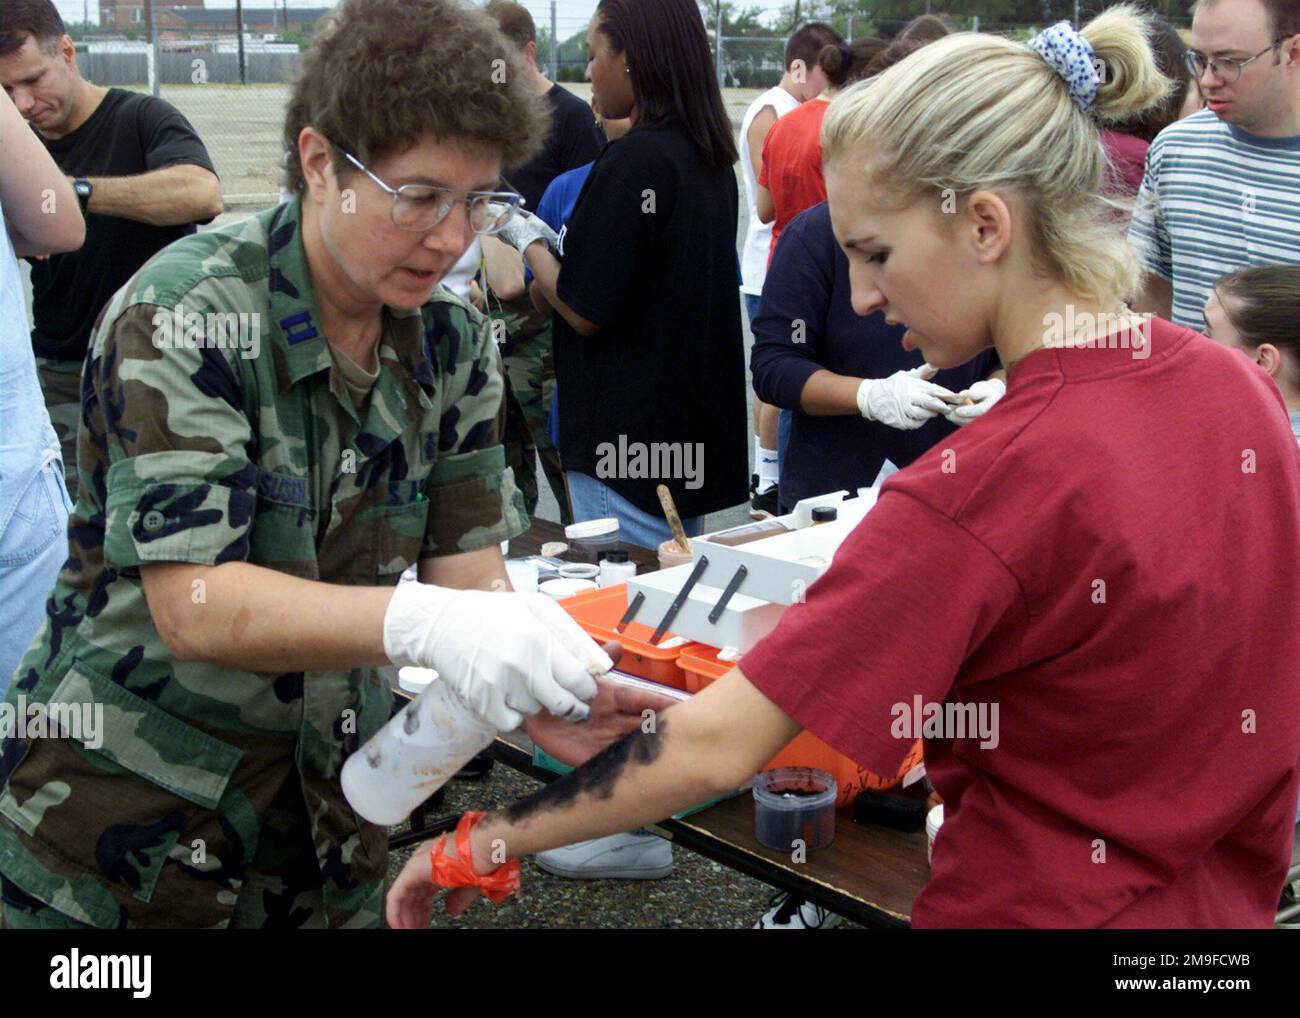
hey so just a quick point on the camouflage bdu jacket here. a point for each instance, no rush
(243, 451)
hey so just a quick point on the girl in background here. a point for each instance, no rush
(1257, 311)
(649, 349)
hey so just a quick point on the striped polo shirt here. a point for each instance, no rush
(1215, 199)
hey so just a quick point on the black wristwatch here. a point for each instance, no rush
(83, 189)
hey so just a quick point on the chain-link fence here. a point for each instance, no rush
(239, 123)
(236, 101)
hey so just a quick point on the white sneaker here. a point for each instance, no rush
(791, 913)
(634, 856)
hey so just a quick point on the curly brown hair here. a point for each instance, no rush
(380, 75)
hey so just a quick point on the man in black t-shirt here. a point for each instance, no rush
(142, 176)
(574, 139)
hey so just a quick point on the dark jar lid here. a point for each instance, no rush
(615, 555)
(825, 513)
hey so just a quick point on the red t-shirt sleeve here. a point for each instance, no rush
(909, 597)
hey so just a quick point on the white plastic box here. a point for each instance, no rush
(780, 570)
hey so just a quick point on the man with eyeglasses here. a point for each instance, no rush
(283, 415)
(1221, 189)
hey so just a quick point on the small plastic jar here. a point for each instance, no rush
(671, 555)
(795, 807)
(615, 568)
(590, 539)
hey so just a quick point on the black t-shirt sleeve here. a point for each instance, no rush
(578, 141)
(168, 139)
(613, 231)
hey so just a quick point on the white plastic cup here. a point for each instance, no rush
(414, 755)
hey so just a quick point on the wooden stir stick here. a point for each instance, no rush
(674, 521)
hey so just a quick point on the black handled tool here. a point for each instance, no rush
(632, 609)
(732, 584)
(679, 600)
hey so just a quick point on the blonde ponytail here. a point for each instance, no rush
(1130, 79)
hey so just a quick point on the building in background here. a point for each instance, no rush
(177, 18)
(122, 14)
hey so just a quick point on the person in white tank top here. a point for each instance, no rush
(802, 80)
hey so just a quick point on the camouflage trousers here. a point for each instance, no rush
(61, 386)
(530, 387)
(282, 889)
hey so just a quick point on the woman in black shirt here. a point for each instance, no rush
(648, 344)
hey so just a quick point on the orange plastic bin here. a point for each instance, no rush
(701, 666)
(598, 612)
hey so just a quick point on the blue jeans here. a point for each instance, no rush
(751, 307)
(594, 500)
(784, 425)
(32, 551)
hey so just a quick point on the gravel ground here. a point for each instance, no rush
(698, 894)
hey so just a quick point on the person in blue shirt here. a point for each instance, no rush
(859, 397)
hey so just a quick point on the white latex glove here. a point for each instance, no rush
(523, 228)
(905, 400)
(505, 654)
(983, 395)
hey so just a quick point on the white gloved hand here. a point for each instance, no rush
(523, 228)
(506, 655)
(983, 395)
(904, 400)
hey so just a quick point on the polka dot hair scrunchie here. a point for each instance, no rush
(1072, 57)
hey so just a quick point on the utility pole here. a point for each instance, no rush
(717, 53)
(239, 26)
(152, 58)
(555, 47)
(850, 28)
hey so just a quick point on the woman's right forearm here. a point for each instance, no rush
(827, 394)
(246, 616)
